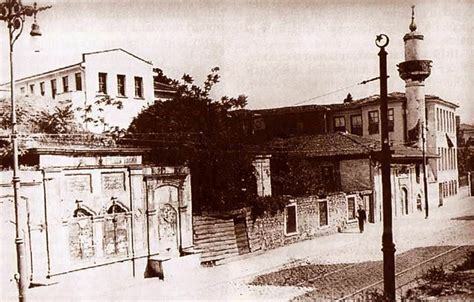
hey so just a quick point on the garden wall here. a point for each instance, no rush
(221, 237)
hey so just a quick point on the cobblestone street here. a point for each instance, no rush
(330, 281)
(351, 257)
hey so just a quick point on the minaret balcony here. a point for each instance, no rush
(417, 70)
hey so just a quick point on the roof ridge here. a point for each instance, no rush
(115, 49)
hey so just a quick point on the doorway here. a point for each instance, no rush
(404, 200)
(240, 229)
(369, 204)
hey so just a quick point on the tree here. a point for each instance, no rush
(93, 113)
(59, 121)
(194, 128)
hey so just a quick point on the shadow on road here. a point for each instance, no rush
(463, 218)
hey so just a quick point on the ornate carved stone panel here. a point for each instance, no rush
(113, 181)
(78, 183)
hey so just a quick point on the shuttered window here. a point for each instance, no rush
(323, 213)
(290, 221)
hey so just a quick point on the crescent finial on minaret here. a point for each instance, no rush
(412, 24)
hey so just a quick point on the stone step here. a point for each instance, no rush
(172, 268)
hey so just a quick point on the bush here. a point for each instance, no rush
(435, 273)
(375, 295)
(468, 263)
(268, 205)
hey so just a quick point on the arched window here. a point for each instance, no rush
(115, 208)
(81, 212)
(81, 237)
(116, 230)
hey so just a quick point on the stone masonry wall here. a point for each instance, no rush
(216, 236)
(271, 229)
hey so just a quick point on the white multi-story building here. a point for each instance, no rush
(113, 74)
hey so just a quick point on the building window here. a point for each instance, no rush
(32, 88)
(351, 208)
(138, 87)
(438, 159)
(356, 124)
(121, 85)
(451, 164)
(78, 81)
(291, 226)
(22, 90)
(443, 159)
(455, 159)
(339, 124)
(66, 84)
(437, 119)
(373, 122)
(102, 82)
(417, 173)
(448, 115)
(419, 206)
(53, 88)
(391, 120)
(323, 213)
(445, 121)
(451, 121)
(328, 179)
(42, 88)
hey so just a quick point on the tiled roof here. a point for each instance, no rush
(374, 99)
(321, 145)
(466, 127)
(334, 144)
(291, 109)
(398, 151)
(78, 64)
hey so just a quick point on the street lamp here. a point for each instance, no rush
(14, 13)
(388, 247)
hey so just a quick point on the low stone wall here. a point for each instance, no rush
(270, 230)
(216, 235)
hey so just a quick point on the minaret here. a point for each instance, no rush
(414, 71)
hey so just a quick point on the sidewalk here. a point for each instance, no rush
(228, 281)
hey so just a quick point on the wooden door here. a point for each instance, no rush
(240, 229)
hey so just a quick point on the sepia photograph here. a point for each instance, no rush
(236, 150)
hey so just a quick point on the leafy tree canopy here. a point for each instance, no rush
(197, 129)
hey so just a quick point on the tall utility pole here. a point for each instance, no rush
(14, 13)
(388, 247)
(425, 178)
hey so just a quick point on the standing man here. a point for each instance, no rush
(362, 217)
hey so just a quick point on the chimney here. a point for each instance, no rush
(348, 98)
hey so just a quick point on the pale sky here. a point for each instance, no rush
(277, 53)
